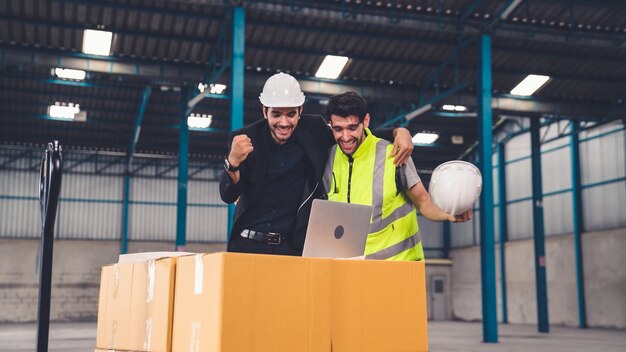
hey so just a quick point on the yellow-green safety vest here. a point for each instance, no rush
(368, 177)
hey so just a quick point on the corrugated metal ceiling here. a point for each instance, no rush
(393, 45)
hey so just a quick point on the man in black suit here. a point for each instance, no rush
(274, 169)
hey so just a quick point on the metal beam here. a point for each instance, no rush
(137, 128)
(160, 72)
(524, 107)
(80, 162)
(167, 169)
(579, 225)
(503, 226)
(14, 158)
(487, 245)
(115, 161)
(145, 165)
(237, 84)
(538, 228)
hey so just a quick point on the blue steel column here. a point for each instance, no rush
(125, 211)
(487, 245)
(538, 227)
(129, 162)
(504, 236)
(579, 224)
(183, 158)
(236, 101)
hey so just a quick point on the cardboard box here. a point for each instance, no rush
(243, 302)
(114, 306)
(379, 306)
(152, 305)
(135, 307)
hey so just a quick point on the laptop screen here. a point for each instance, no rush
(337, 230)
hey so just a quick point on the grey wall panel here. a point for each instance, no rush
(20, 215)
(152, 222)
(431, 232)
(520, 220)
(462, 234)
(518, 180)
(604, 207)
(203, 192)
(87, 220)
(90, 207)
(206, 224)
(494, 177)
(153, 190)
(602, 158)
(518, 147)
(19, 183)
(20, 218)
(206, 213)
(556, 170)
(91, 187)
(557, 214)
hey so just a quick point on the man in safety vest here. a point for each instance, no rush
(360, 170)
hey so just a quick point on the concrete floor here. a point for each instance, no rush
(444, 336)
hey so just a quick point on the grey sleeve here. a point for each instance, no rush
(406, 176)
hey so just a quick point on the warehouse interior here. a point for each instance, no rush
(144, 116)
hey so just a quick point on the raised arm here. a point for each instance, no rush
(422, 201)
(402, 143)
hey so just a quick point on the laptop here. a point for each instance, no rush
(337, 230)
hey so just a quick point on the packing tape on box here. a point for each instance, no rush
(194, 343)
(197, 288)
(117, 281)
(113, 333)
(147, 341)
(151, 272)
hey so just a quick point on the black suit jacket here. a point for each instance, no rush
(316, 138)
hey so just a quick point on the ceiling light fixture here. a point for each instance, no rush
(200, 121)
(331, 67)
(68, 73)
(97, 42)
(450, 107)
(529, 85)
(66, 111)
(425, 138)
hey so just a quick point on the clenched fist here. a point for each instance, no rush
(240, 149)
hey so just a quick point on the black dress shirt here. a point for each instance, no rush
(275, 207)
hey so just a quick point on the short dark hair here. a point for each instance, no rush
(347, 104)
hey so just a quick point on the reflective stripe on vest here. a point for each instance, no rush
(402, 221)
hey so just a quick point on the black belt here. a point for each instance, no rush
(272, 238)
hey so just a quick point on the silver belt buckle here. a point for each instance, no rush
(245, 233)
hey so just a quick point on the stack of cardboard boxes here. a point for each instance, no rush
(244, 302)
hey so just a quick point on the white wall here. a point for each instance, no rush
(604, 275)
(75, 276)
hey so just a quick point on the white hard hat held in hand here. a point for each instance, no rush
(281, 91)
(455, 186)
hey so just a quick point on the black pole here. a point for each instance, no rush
(49, 189)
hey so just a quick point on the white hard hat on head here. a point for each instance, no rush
(455, 186)
(281, 91)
